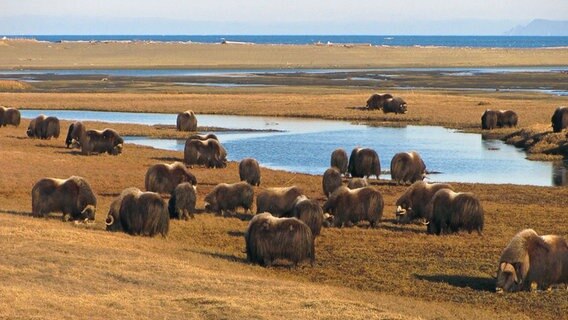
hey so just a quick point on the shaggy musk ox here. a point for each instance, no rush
(43, 127)
(351, 206)
(278, 201)
(356, 183)
(310, 212)
(450, 212)
(228, 197)
(9, 116)
(96, 141)
(249, 171)
(182, 201)
(331, 180)
(377, 101)
(560, 119)
(73, 197)
(530, 260)
(395, 105)
(489, 119)
(407, 167)
(269, 238)
(507, 118)
(339, 160)
(364, 162)
(163, 177)
(203, 137)
(209, 153)
(413, 202)
(186, 121)
(139, 213)
(75, 133)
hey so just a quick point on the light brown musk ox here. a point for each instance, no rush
(73, 197)
(532, 262)
(356, 183)
(249, 171)
(186, 121)
(228, 197)
(377, 101)
(560, 119)
(75, 134)
(9, 116)
(268, 238)
(407, 167)
(351, 206)
(310, 212)
(490, 119)
(182, 201)
(105, 141)
(412, 203)
(139, 213)
(450, 212)
(507, 118)
(331, 180)
(395, 105)
(163, 178)
(339, 160)
(43, 127)
(203, 137)
(364, 162)
(278, 201)
(209, 153)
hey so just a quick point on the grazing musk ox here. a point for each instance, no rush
(530, 260)
(269, 238)
(249, 171)
(490, 119)
(339, 160)
(507, 118)
(450, 212)
(75, 134)
(73, 197)
(186, 121)
(377, 101)
(228, 197)
(413, 202)
(43, 127)
(364, 162)
(331, 180)
(407, 167)
(9, 116)
(203, 137)
(395, 105)
(96, 141)
(163, 177)
(351, 206)
(356, 183)
(209, 153)
(310, 212)
(182, 201)
(278, 201)
(560, 119)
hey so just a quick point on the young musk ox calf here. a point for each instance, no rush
(560, 119)
(75, 134)
(73, 197)
(310, 212)
(43, 127)
(203, 137)
(249, 171)
(364, 162)
(507, 118)
(163, 178)
(351, 206)
(339, 160)
(450, 212)
(490, 119)
(278, 201)
(228, 197)
(186, 121)
(407, 167)
(395, 105)
(96, 142)
(413, 202)
(139, 213)
(356, 183)
(209, 153)
(269, 238)
(331, 180)
(377, 101)
(9, 116)
(530, 260)
(182, 201)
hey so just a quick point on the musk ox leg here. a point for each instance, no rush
(373, 224)
(66, 217)
(267, 262)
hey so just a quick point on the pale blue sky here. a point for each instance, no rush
(273, 16)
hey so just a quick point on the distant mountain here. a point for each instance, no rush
(541, 27)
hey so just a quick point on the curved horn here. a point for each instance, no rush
(426, 223)
(109, 220)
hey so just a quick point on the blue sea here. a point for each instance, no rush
(376, 40)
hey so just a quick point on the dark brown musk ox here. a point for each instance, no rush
(450, 212)
(377, 101)
(331, 180)
(507, 118)
(268, 238)
(139, 213)
(532, 262)
(182, 201)
(356, 183)
(209, 153)
(490, 119)
(395, 105)
(186, 121)
(228, 197)
(339, 160)
(9, 116)
(73, 197)
(163, 178)
(96, 142)
(203, 137)
(407, 167)
(310, 212)
(249, 171)
(43, 127)
(364, 162)
(75, 133)
(413, 202)
(278, 201)
(351, 206)
(560, 119)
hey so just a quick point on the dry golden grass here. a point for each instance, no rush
(13, 85)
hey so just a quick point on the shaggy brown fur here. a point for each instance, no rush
(209, 153)
(490, 119)
(395, 105)
(278, 201)
(310, 212)
(560, 119)
(249, 171)
(352, 206)
(43, 127)
(73, 197)
(186, 121)
(507, 118)
(163, 177)
(268, 238)
(75, 134)
(364, 162)
(356, 183)
(9, 116)
(95, 141)
(407, 167)
(339, 160)
(228, 197)
(412, 204)
(377, 101)
(182, 201)
(450, 212)
(203, 137)
(331, 180)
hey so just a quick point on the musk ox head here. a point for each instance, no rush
(88, 214)
(402, 211)
(509, 277)
(211, 204)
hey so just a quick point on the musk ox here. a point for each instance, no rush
(364, 162)
(269, 238)
(356, 183)
(182, 201)
(531, 261)
(413, 202)
(560, 119)
(209, 153)
(395, 105)
(490, 119)
(203, 137)
(75, 133)
(278, 201)
(139, 213)
(351, 206)
(186, 121)
(331, 180)
(96, 141)
(450, 212)
(9, 116)
(228, 197)
(377, 101)
(507, 118)
(339, 160)
(310, 212)
(43, 127)
(163, 177)
(407, 167)
(73, 197)
(249, 171)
